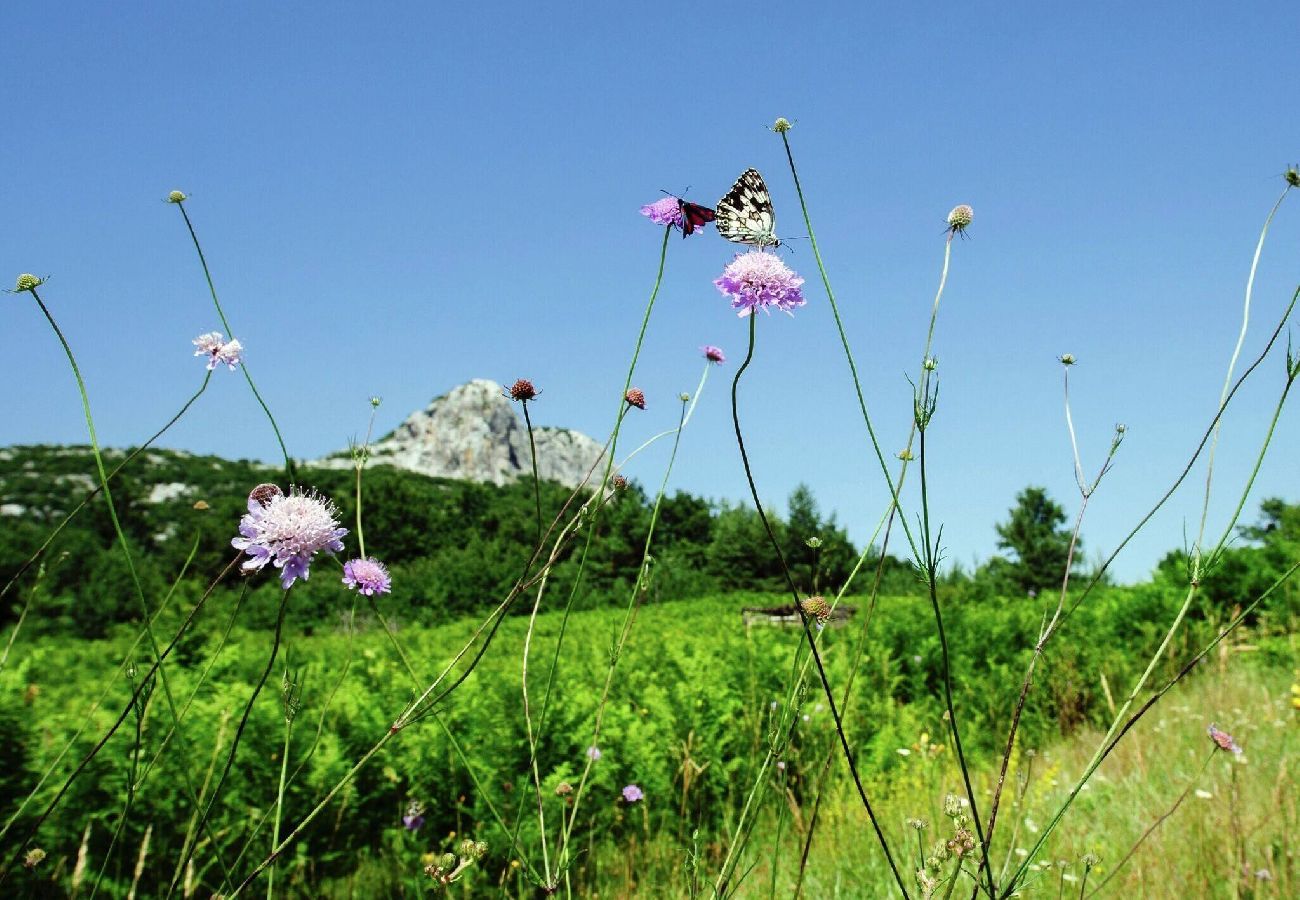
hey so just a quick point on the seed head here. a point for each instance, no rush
(618, 482)
(635, 397)
(960, 218)
(817, 608)
(177, 197)
(563, 789)
(523, 390)
(1293, 176)
(781, 125)
(1067, 359)
(33, 857)
(27, 282)
(263, 493)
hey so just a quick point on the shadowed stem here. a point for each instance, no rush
(126, 547)
(239, 732)
(212, 289)
(803, 618)
(932, 575)
(532, 452)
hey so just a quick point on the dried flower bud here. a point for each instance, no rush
(263, 493)
(523, 390)
(177, 197)
(684, 397)
(27, 282)
(1067, 359)
(375, 401)
(618, 482)
(951, 806)
(930, 364)
(1293, 176)
(635, 397)
(781, 125)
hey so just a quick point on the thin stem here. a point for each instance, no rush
(239, 731)
(279, 800)
(359, 463)
(812, 642)
(212, 289)
(532, 455)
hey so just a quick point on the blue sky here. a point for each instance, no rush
(396, 198)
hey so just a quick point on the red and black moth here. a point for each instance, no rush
(694, 216)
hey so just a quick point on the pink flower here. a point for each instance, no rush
(760, 280)
(632, 793)
(713, 354)
(1223, 739)
(368, 576)
(218, 350)
(667, 211)
(287, 530)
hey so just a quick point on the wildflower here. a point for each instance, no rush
(414, 817)
(635, 397)
(929, 364)
(918, 824)
(368, 576)
(218, 350)
(684, 397)
(177, 197)
(906, 455)
(759, 280)
(563, 789)
(959, 219)
(713, 354)
(1292, 176)
(593, 753)
(816, 608)
(1223, 739)
(619, 482)
(287, 530)
(781, 125)
(27, 282)
(1067, 359)
(632, 793)
(523, 390)
(33, 857)
(667, 211)
(375, 401)
(473, 850)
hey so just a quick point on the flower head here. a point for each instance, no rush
(368, 576)
(593, 753)
(523, 390)
(1223, 739)
(635, 397)
(713, 354)
(218, 350)
(816, 608)
(414, 817)
(960, 218)
(667, 211)
(1292, 176)
(32, 858)
(177, 197)
(287, 530)
(759, 280)
(781, 125)
(632, 793)
(27, 282)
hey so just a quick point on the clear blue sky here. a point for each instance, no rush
(396, 198)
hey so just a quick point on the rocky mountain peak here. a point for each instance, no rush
(474, 432)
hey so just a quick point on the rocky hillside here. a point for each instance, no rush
(475, 433)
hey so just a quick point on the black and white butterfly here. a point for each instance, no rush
(744, 214)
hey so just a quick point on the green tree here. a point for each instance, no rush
(1036, 534)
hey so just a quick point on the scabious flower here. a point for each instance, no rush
(523, 390)
(1223, 739)
(287, 530)
(177, 197)
(632, 793)
(414, 817)
(218, 350)
(713, 354)
(667, 211)
(635, 397)
(960, 218)
(760, 280)
(27, 282)
(368, 576)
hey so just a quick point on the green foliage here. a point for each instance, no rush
(1036, 535)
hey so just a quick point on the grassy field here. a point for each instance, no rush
(688, 721)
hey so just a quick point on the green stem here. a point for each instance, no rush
(537, 484)
(212, 289)
(279, 802)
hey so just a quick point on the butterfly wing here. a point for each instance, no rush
(745, 215)
(695, 216)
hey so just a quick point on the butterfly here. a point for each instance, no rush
(744, 214)
(694, 216)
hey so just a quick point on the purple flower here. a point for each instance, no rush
(1223, 739)
(667, 211)
(759, 280)
(414, 817)
(713, 354)
(593, 753)
(288, 530)
(368, 576)
(632, 793)
(218, 350)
